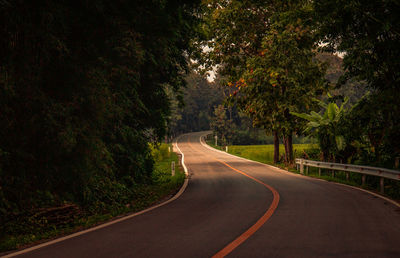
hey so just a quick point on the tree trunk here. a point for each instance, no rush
(290, 148)
(276, 147)
(286, 148)
(288, 142)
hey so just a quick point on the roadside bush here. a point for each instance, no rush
(313, 153)
(160, 152)
(104, 195)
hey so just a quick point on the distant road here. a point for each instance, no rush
(240, 208)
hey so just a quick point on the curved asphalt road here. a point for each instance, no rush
(314, 218)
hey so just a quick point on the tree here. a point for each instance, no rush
(326, 128)
(372, 129)
(368, 35)
(265, 50)
(200, 97)
(82, 93)
(221, 125)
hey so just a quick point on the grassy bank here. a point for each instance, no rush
(265, 154)
(39, 226)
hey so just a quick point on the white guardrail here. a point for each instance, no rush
(364, 170)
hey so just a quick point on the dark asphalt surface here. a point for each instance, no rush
(314, 218)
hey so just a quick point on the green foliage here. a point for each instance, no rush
(352, 89)
(82, 93)
(368, 33)
(114, 199)
(160, 152)
(265, 50)
(200, 97)
(222, 126)
(248, 137)
(326, 127)
(372, 129)
(265, 153)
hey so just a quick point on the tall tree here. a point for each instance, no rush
(221, 125)
(367, 34)
(82, 92)
(200, 97)
(265, 50)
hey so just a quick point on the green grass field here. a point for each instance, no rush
(265, 153)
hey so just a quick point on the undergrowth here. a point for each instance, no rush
(38, 226)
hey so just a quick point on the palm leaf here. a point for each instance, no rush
(313, 124)
(304, 116)
(331, 111)
(340, 142)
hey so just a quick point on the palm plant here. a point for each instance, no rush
(324, 126)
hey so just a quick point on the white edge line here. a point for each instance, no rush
(176, 196)
(183, 155)
(298, 175)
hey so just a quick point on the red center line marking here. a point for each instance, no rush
(249, 232)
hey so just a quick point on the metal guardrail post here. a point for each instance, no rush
(319, 171)
(363, 179)
(301, 167)
(382, 185)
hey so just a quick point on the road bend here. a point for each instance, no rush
(238, 208)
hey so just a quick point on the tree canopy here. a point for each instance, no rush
(368, 34)
(199, 99)
(266, 53)
(82, 93)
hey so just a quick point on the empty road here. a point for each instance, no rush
(240, 208)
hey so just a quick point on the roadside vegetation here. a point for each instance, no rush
(89, 88)
(299, 69)
(265, 154)
(50, 222)
(83, 97)
(279, 61)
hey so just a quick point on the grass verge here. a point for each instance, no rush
(264, 154)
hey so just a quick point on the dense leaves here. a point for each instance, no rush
(199, 99)
(82, 92)
(326, 128)
(222, 126)
(372, 130)
(367, 34)
(265, 51)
